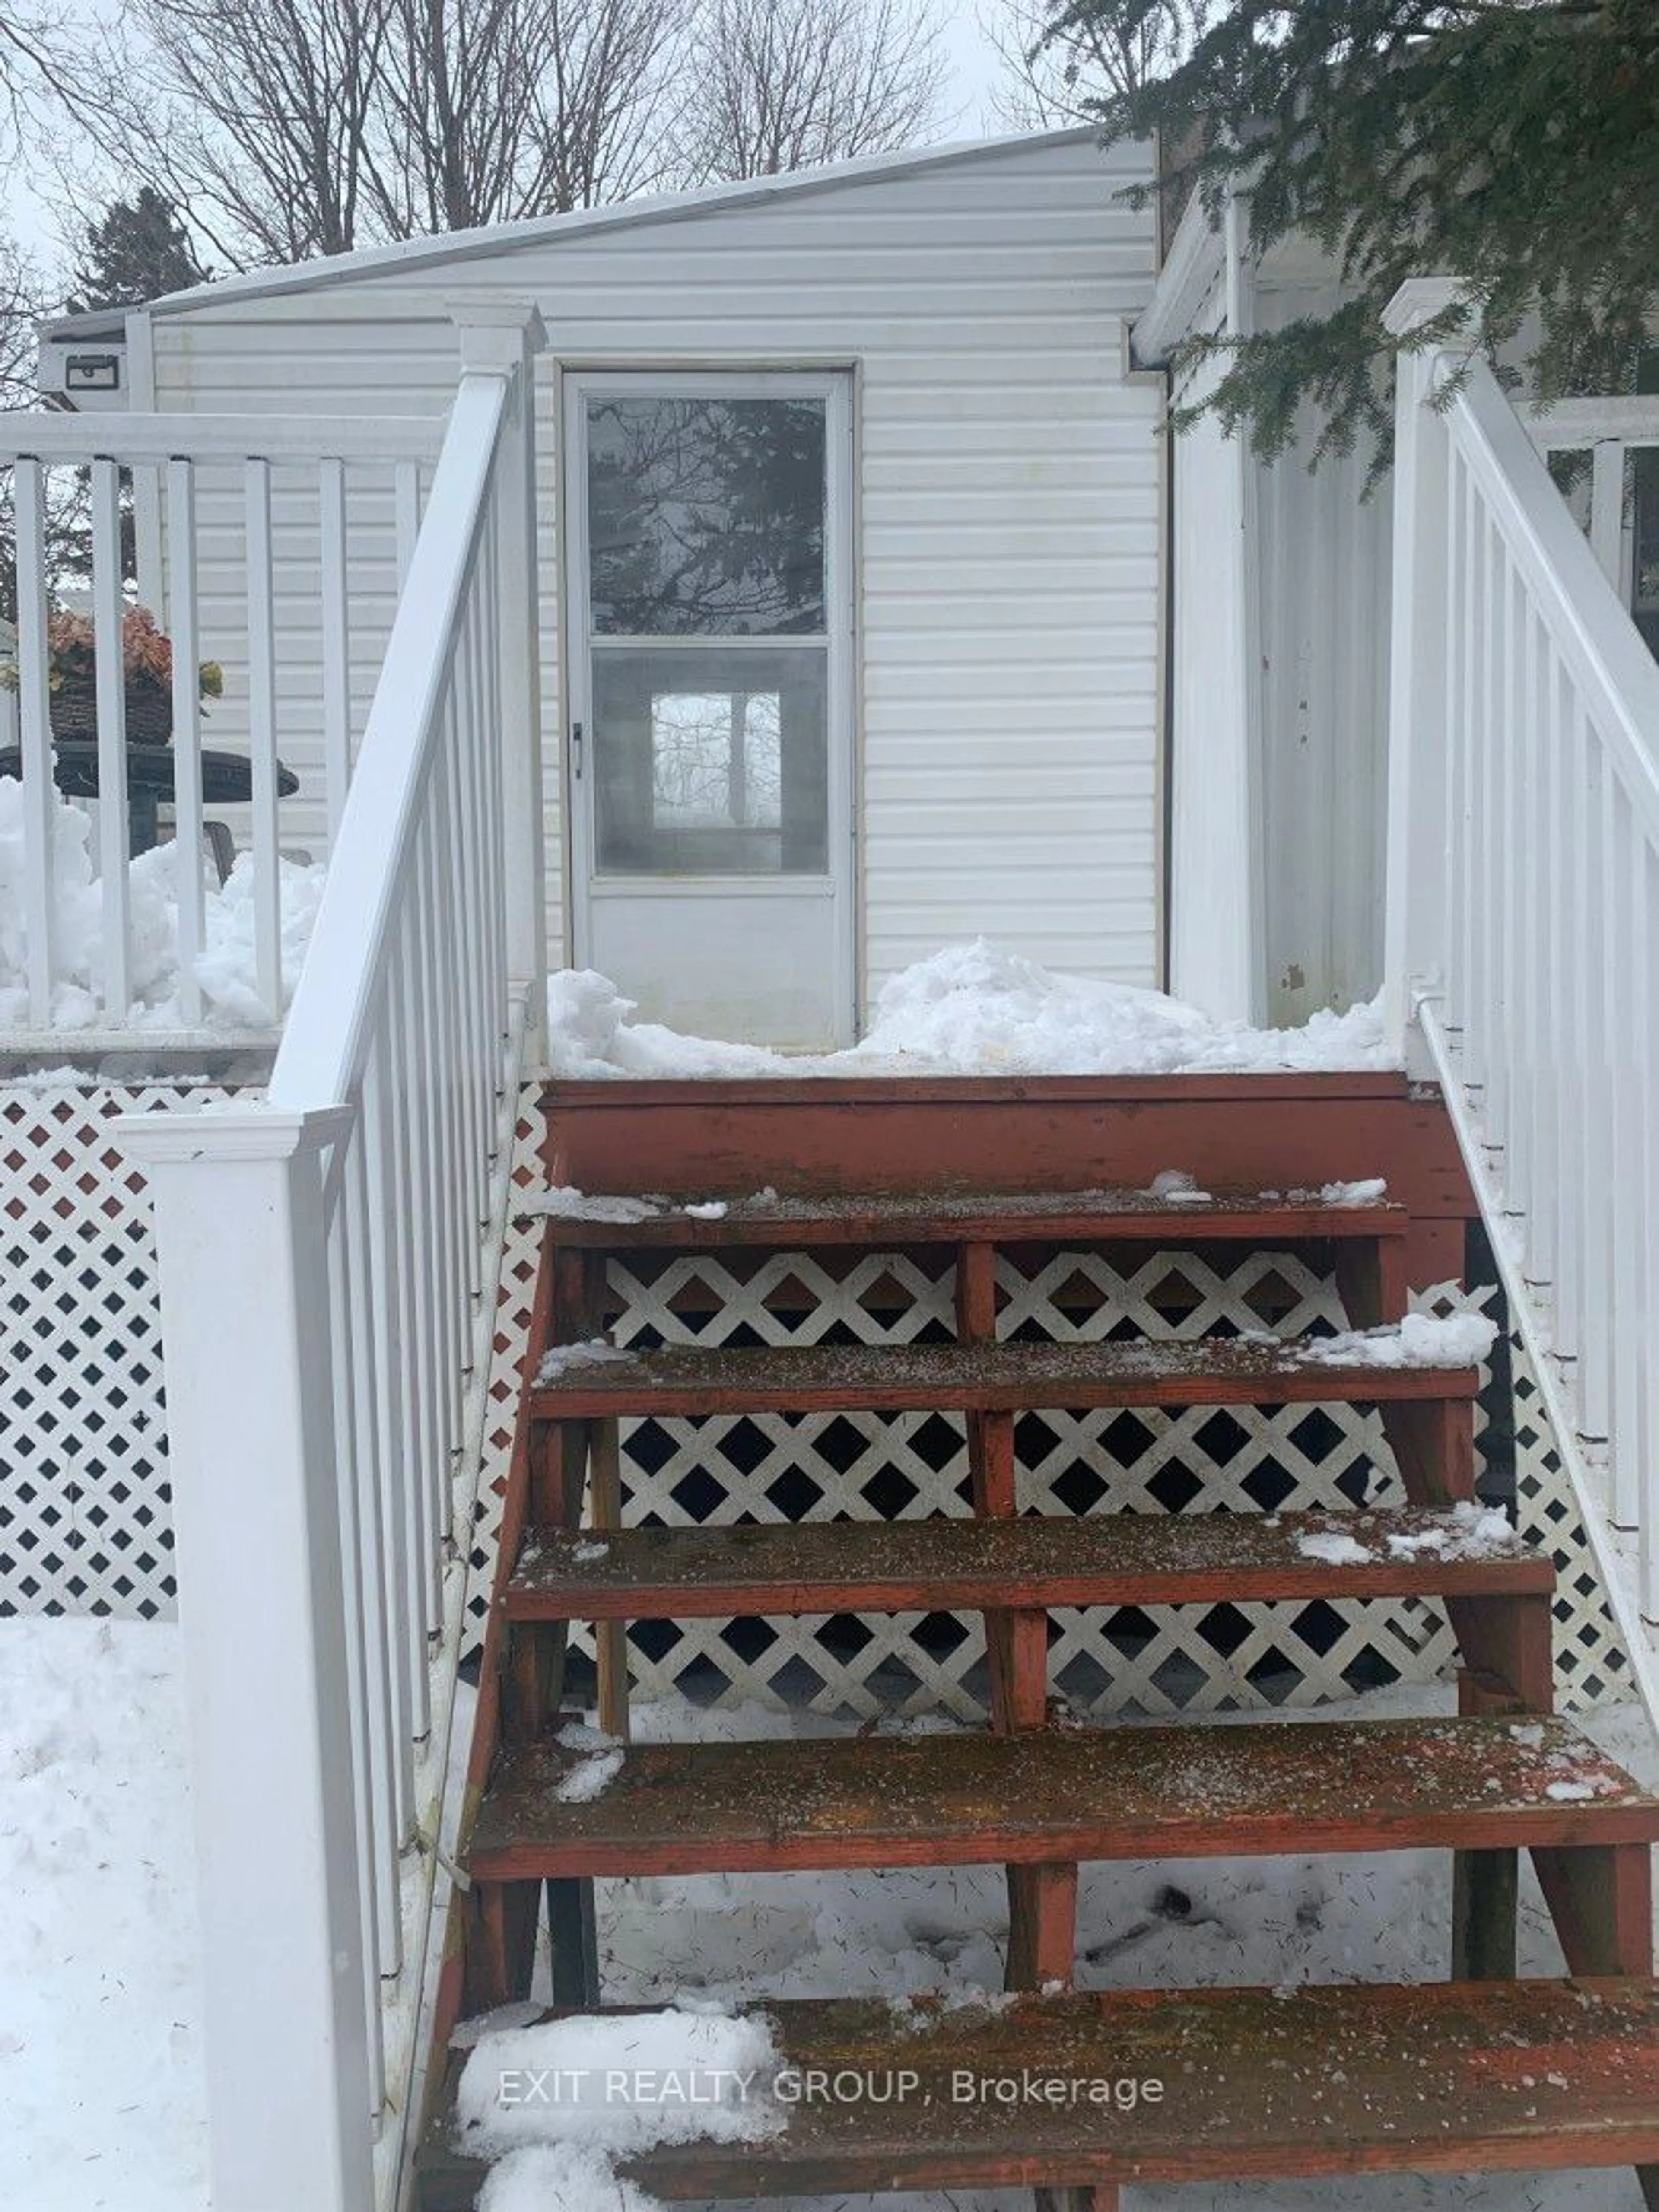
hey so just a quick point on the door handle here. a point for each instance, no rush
(577, 748)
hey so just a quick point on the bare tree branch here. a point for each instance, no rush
(784, 84)
(1053, 78)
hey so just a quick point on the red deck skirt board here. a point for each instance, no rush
(834, 1134)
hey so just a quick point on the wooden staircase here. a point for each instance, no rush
(1480, 2071)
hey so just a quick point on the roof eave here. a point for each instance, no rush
(1191, 269)
(436, 251)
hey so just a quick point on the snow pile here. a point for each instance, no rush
(564, 1202)
(600, 1762)
(1177, 1186)
(1475, 1532)
(1459, 1340)
(100, 2070)
(225, 968)
(1334, 1548)
(620, 2083)
(970, 1010)
(1468, 1531)
(560, 1360)
(570, 2175)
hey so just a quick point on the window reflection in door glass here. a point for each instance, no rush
(705, 516)
(715, 760)
(710, 760)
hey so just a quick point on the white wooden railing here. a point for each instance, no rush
(217, 506)
(1610, 431)
(327, 1311)
(1523, 908)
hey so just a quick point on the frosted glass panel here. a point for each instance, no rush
(716, 760)
(710, 761)
(705, 516)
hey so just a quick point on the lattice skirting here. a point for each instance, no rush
(85, 1522)
(84, 1514)
(870, 1466)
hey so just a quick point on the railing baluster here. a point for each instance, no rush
(383, 1199)
(1534, 846)
(1607, 509)
(405, 1352)
(1643, 1205)
(1497, 840)
(334, 583)
(262, 735)
(359, 1659)
(114, 830)
(34, 737)
(472, 841)
(406, 502)
(183, 622)
(428, 1383)
(1567, 798)
(1589, 1193)
(1483, 1038)
(1619, 1026)
(495, 747)
(381, 1717)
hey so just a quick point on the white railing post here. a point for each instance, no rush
(502, 339)
(1417, 827)
(245, 1308)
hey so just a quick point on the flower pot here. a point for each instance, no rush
(149, 718)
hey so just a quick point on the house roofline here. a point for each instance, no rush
(1191, 269)
(493, 239)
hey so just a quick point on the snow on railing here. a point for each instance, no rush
(1523, 904)
(327, 1263)
(203, 521)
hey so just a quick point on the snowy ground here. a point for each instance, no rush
(99, 2063)
(100, 2074)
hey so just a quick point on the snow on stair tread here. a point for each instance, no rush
(1129, 1792)
(693, 1379)
(1447, 2077)
(617, 1222)
(934, 1565)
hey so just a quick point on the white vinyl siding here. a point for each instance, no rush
(1008, 495)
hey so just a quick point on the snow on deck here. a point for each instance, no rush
(101, 2084)
(969, 1010)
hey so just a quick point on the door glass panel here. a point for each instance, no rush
(711, 761)
(705, 516)
(716, 760)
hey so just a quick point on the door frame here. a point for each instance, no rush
(841, 886)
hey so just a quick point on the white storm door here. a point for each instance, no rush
(710, 756)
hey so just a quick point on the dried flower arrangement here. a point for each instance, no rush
(147, 665)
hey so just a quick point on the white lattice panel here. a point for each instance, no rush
(866, 1467)
(514, 1304)
(914, 1464)
(85, 1518)
(1591, 1665)
(85, 1524)
(870, 1466)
